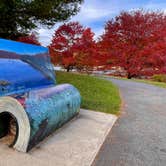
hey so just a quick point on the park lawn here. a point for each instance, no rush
(97, 94)
(159, 84)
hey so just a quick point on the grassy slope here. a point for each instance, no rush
(159, 84)
(97, 94)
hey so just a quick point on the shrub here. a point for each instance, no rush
(159, 78)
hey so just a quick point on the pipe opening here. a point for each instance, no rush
(8, 128)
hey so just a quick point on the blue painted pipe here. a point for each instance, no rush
(49, 108)
(29, 95)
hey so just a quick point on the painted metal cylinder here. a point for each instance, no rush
(40, 112)
(49, 108)
(31, 106)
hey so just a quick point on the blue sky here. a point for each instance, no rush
(95, 13)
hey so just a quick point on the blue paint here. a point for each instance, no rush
(21, 48)
(60, 104)
(13, 71)
(24, 67)
(27, 74)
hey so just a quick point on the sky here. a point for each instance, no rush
(95, 13)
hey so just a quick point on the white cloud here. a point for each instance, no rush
(88, 14)
(45, 35)
(94, 14)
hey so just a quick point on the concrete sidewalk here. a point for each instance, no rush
(75, 144)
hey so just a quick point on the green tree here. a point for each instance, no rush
(19, 17)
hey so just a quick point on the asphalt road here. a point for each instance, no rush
(139, 136)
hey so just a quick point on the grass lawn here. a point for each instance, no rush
(160, 84)
(97, 94)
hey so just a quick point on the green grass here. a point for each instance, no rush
(159, 84)
(97, 94)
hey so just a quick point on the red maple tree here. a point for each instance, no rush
(62, 44)
(31, 39)
(136, 42)
(86, 56)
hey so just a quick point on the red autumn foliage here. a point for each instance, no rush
(136, 42)
(61, 47)
(73, 46)
(86, 56)
(31, 39)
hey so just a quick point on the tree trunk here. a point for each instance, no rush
(68, 69)
(129, 75)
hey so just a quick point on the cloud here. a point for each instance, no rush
(90, 13)
(45, 35)
(94, 14)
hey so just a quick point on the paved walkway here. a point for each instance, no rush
(75, 144)
(139, 136)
